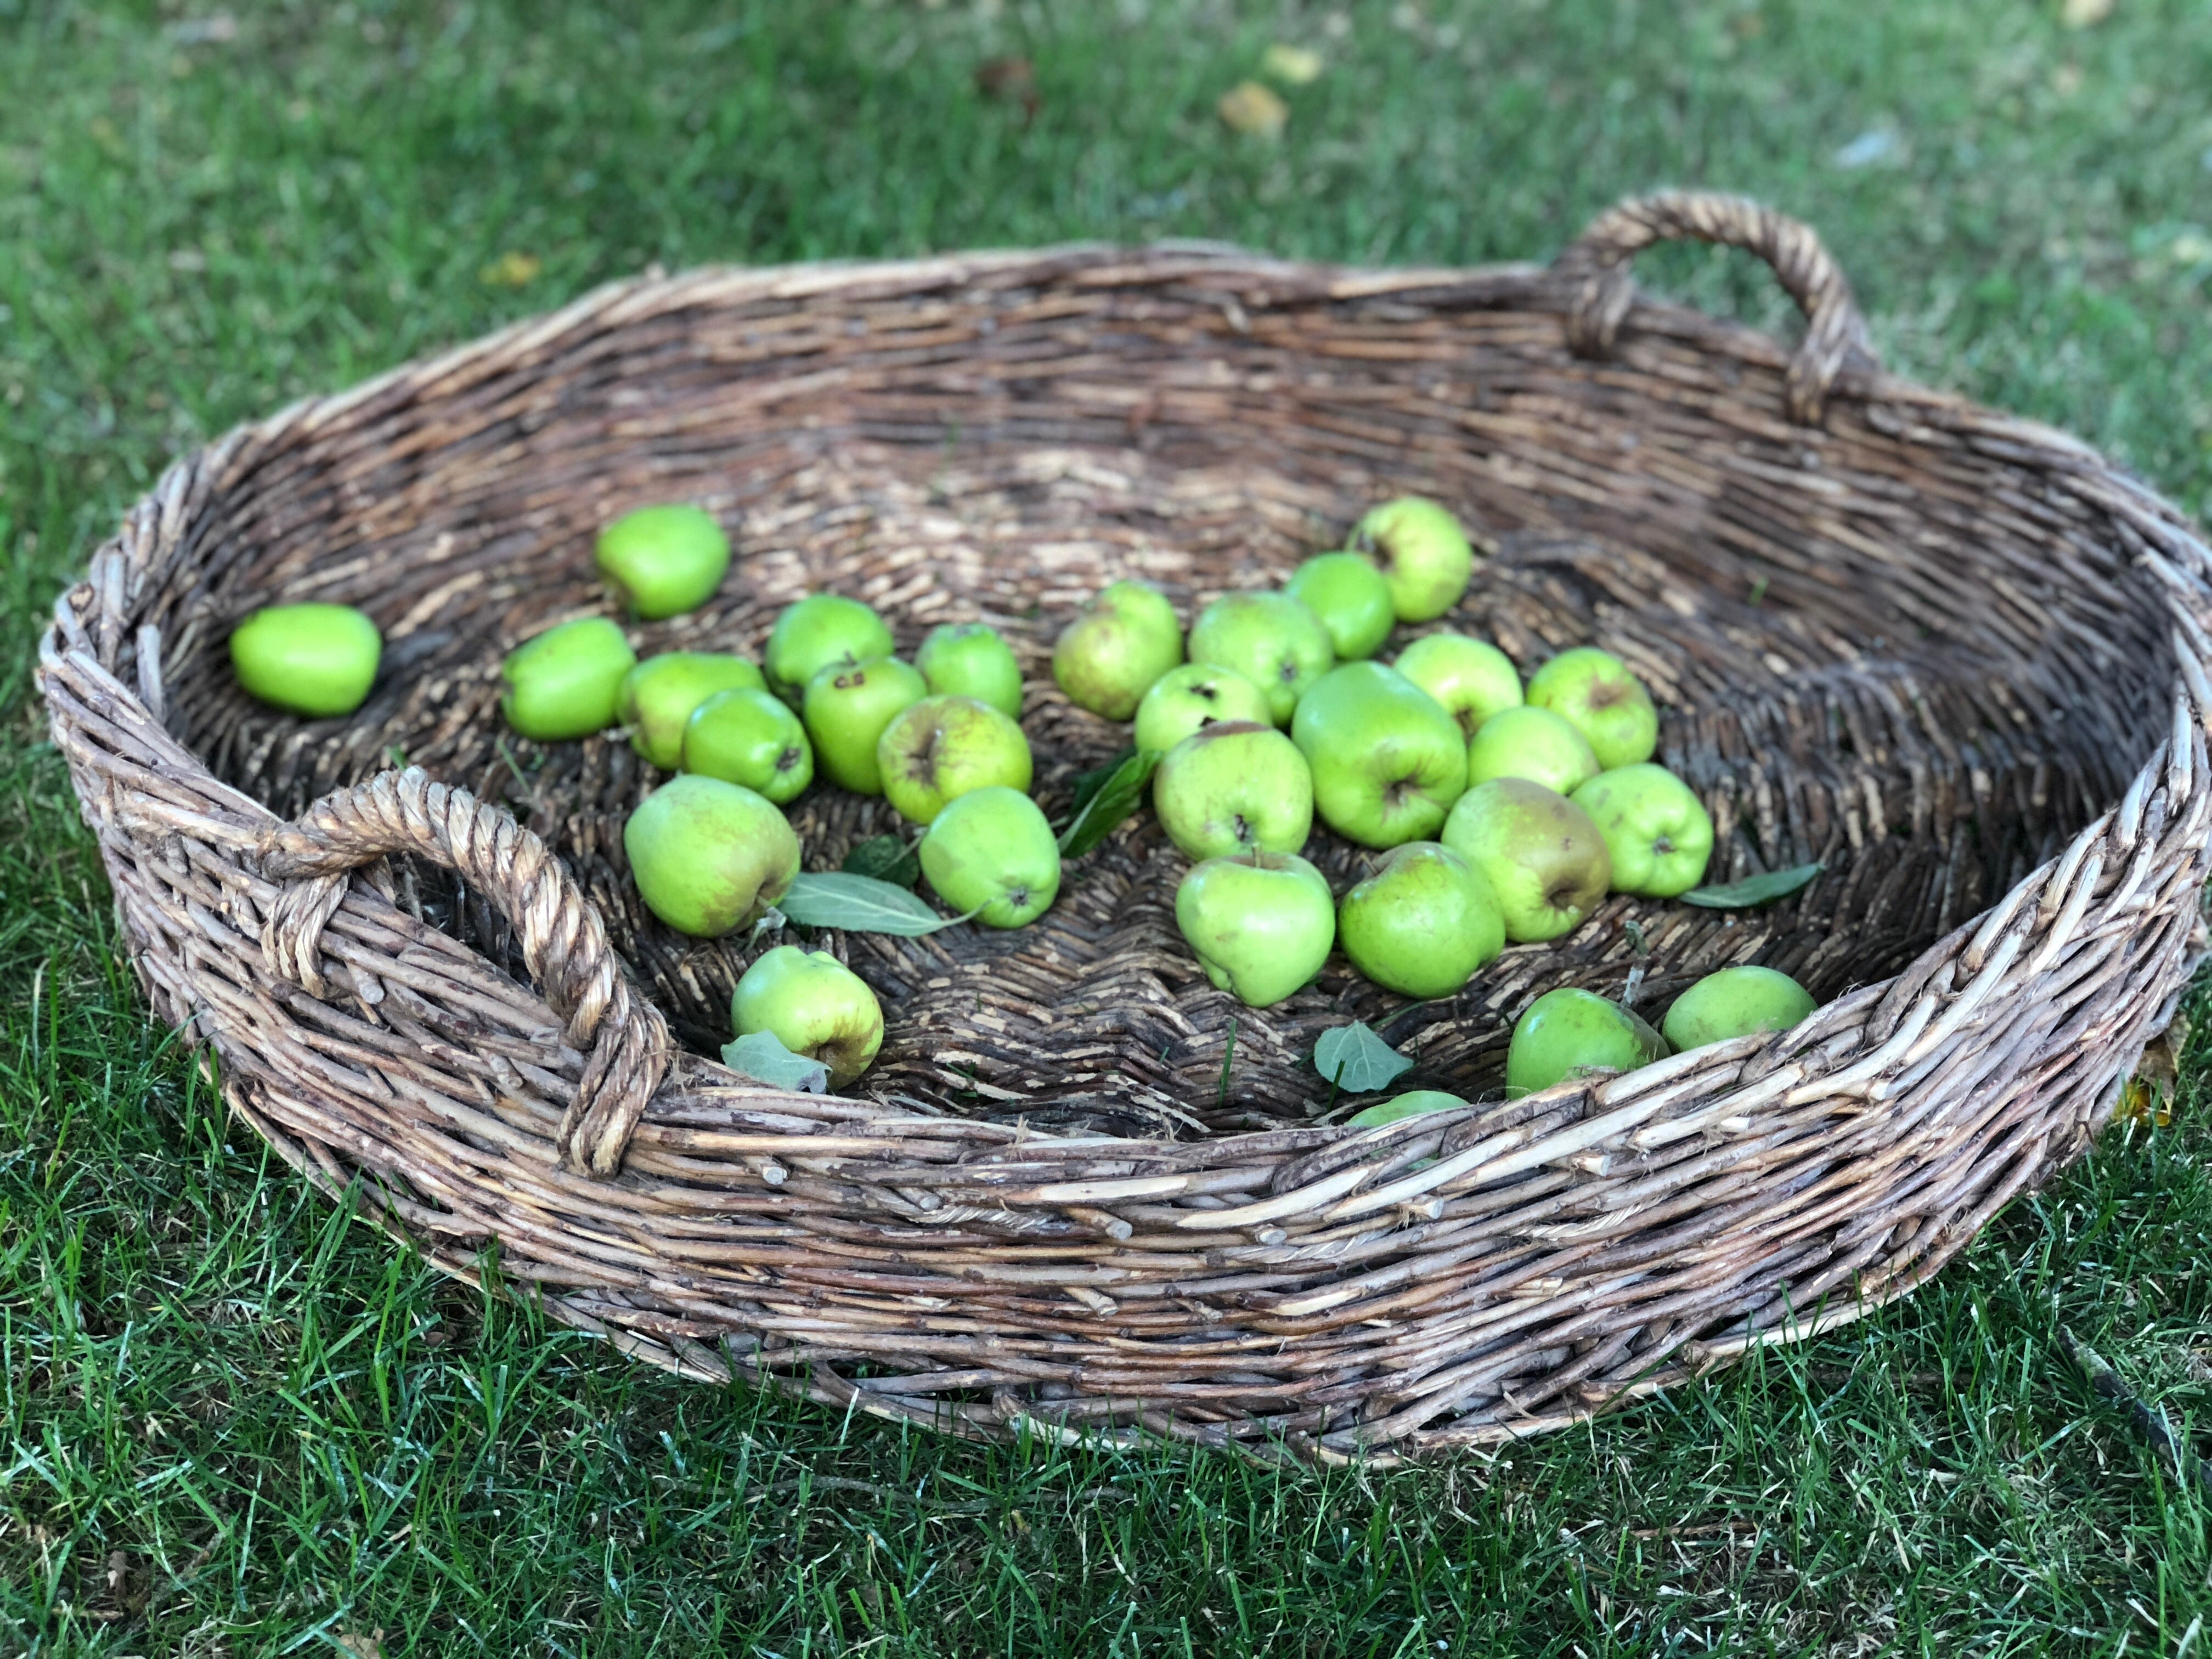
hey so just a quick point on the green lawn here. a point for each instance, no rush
(231, 1423)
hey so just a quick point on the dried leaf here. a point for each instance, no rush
(1011, 81)
(2147, 1096)
(1293, 66)
(511, 269)
(1101, 805)
(886, 858)
(361, 1644)
(1252, 109)
(761, 1056)
(1753, 890)
(1357, 1060)
(859, 904)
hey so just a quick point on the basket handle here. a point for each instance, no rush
(1598, 261)
(623, 1038)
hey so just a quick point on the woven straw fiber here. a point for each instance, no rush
(1958, 657)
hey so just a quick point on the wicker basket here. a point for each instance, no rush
(1960, 658)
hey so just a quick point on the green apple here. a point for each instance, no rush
(1423, 922)
(1657, 832)
(815, 1006)
(709, 857)
(967, 659)
(1352, 599)
(847, 708)
(1261, 923)
(1566, 1033)
(1388, 762)
(1108, 658)
(1533, 743)
(1271, 639)
(1195, 695)
(314, 659)
(1233, 787)
(991, 852)
(1424, 553)
(664, 561)
(1735, 1002)
(941, 748)
(818, 631)
(1606, 703)
(749, 736)
(566, 682)
(1472, 679)
(1543, 857)
(657, 698)
(1412, 1104)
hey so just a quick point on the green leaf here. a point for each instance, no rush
(886, 858)
(1753, 890)
(1357, 1060)
(763, 1058)
(1099, 809)
(859, 904)
(1088, 784)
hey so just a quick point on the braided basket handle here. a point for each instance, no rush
(623, 1038)
(1598, 261)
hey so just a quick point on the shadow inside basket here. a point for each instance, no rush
(1929, 766)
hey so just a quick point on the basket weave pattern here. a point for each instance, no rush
(1958, 657)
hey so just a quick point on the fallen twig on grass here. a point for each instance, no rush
(2149, 1422)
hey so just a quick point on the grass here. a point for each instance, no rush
(232, 1422)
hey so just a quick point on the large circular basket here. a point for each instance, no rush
(1958, 659)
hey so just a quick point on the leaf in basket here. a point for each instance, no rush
(1105, 803)
(763, 1058)
(1753, 890)
(886, 858)
(1357, 1060)
(859, 904)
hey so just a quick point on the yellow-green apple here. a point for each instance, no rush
(664, 561)
(1735, 1002)
(1567, 1033)
(1271, 639)
(1423, 552)
(1606, 703)
(1472, 679)
(1388, 762)
(1195, 695)
(1423, 923)
(1657, 832)
(848, 705)
(709, 857)
(968, 660)
(1543, 857)
(1352, 599)
(991, 852)
(749, 736)
(814, 1006)
(1108, 658)
(658, 698)
(566, 682)
(941, 748)
(1233, 787)
(314, 659)
(813, 633)
(1412, 1104)
(1261, 923)
(1533, 743)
